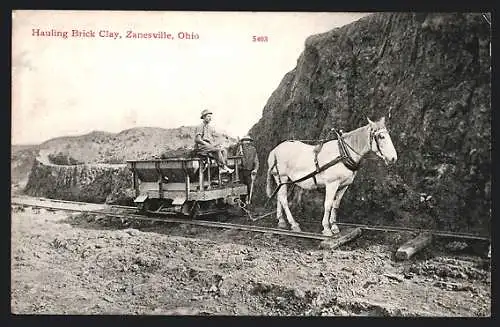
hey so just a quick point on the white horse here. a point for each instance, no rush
(292, 160)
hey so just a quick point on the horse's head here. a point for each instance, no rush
(380, 141)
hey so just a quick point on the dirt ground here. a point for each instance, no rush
(77, 264)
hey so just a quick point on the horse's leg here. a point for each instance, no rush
(299, 197)
(282, 197)
(279, 215)
(336, 204)
(279, 211)
(330, 191)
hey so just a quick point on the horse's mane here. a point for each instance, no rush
(355, 131)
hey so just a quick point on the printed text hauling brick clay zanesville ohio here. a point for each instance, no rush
(161, 35)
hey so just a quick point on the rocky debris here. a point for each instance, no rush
(282, 299)
(96, 270)
(429, 75)
(18, 208)
(397, 278)
(183, 311)
(454, 286)
(457, 246)
(364, 308)
(132, 232)
(448, 269)
(371, 281)
(355, 307)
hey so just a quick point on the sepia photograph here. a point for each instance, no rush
(224, 163)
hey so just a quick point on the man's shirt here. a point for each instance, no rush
(250, 158)
(206, 131)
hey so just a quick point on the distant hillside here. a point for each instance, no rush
(104, 147)
(135, 143)
(22, 157)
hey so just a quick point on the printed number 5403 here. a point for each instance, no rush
(259, 38)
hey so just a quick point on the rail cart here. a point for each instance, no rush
(187, 186)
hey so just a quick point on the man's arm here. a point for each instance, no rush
(199, 140)
(198, 136)
(256, 162)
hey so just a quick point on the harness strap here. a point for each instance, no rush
(372, 137)
(316, 151)
(344, 153)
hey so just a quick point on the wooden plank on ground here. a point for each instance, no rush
(413, 246)
(335, 242)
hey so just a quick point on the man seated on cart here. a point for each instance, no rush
(205, 143)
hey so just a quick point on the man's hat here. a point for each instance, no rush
(205, 112)
(246, 138)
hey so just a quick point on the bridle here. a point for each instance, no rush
(373, 137)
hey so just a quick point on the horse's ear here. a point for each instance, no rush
(371, 123)
(382, 120)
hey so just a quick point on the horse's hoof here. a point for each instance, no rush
(335, 229)
(296, 228)
(327, 232)
(282, 224)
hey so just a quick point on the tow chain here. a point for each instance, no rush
(243, 207)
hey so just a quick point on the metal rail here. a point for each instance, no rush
(83, 203)
(416, 230)
(251, 228)
(203, 223)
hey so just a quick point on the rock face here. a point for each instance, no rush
(96, 183)
(429, 75)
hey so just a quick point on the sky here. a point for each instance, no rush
(74, 85)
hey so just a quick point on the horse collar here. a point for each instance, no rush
(346, 158)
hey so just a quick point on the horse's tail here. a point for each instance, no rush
(270, 163)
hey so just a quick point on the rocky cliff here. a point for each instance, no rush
(429, 75)
(99, 183)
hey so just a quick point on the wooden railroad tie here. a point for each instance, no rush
(413, 246)
(335, 242)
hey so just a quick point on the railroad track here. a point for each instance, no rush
(204, 223)
(81, 203)
(104, 210)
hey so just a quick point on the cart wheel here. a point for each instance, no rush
(195, 210)
(141, 208)
(185, 209)
(190, 209)
(149, 205)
